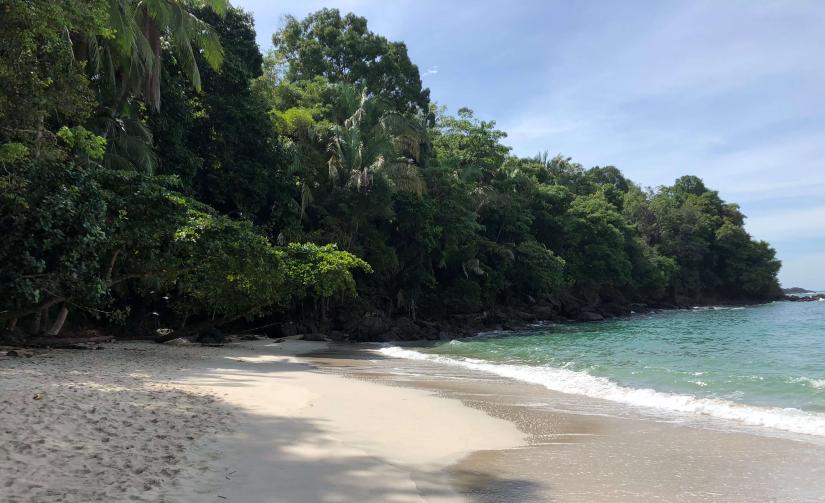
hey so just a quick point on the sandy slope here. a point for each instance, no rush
(246, 423)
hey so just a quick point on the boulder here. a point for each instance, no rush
(589, 316)
(404, 329)
(211, 335)
(544, 312)
(286, 329)
(372, 327)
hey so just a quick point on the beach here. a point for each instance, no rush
(297, 421)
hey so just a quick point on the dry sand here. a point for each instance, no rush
(247, 423)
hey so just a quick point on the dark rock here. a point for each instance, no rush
(372, 327)
(523, 316)
(543, 312)
(404, 329)
(286, 329)
(589, 316)
(810, 298)
(614, 309)
(211, 336)
(338, 336)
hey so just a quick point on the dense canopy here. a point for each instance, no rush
(156, 170)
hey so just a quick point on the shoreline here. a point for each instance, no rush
(577, 452)
(303, 421)
(706, 412)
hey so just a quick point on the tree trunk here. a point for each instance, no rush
(151, 82)
(12, 324)
(44, 318)
(59, 321)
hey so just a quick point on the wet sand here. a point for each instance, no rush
(577, 452)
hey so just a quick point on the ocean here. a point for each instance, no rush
(760, 367)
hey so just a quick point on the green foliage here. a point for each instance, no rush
(319, 271)
(83, 141)
(342, 49)
(537, 270)
(13, 152)
(285, 185)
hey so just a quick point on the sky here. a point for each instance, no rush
(730, 91)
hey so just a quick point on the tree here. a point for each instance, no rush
(220, 141)
(342, 49)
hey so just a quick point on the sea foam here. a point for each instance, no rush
(581, 383)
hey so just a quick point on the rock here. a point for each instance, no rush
(614, 309)
(285, 329)
(523, 316)
(543, 312)
(589, 316)
(405, 329)
(639, 308)
(810, 298)
(338, 336)
(211, 336)
(371, 327)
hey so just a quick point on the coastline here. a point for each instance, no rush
(302, 421)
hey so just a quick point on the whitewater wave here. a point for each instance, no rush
(808, 381)
(581, 383)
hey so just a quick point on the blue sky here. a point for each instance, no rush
(731, 91)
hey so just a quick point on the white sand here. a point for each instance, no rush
(246, 423)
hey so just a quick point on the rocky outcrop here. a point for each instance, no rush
(808, 298)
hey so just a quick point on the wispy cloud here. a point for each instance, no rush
(433, 70)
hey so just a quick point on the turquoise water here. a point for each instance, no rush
(761, 365)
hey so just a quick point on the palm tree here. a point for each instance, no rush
(129, 57)
(126, 63)
(373, 142)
